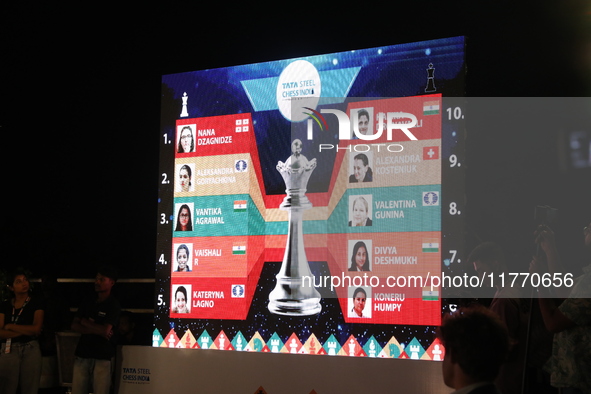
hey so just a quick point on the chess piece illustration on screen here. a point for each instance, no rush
(289, 296)
(430, 79)
(184, 112)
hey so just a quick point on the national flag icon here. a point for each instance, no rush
(430, 295)
(430, 247)
(431, 107)
(430, 152)
(239, 249)
(242, 125)
(240, 206)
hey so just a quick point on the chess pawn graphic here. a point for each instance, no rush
(430, 79)
(290, 297)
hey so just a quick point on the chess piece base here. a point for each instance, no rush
(294, 310)
(291, 307)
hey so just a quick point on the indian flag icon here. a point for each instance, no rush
(239, 249)
(430, 295)
(431, 107)
(240, 206)
(430, 247)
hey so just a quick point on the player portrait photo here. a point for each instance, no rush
(360, 167)
(359, 301)
(186, 138)
(361, 119)
(184, 178)
(181, 299)
(184, 217)
(360, 211)
(182, 257)
(359, 252)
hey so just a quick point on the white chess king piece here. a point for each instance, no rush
(184, 112)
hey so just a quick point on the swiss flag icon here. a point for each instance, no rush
(430, 152)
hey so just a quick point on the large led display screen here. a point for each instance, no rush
(310, 205)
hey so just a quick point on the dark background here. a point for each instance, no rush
(80, 91)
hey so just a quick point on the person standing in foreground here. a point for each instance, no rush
(21, 320)
(476, 344)
(96, 321)
(510, 306)
(570, 321)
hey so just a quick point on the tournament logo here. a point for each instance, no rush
(298, 87)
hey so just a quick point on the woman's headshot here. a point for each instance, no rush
(363, 121)
(360, 257)
(180, 300)
(182, 258)
(362, 172)
(358, 301)
(184, 179)
(186, 140)
(183, 220)
(360, 213)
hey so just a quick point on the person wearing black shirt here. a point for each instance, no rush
(96, 321)
(21, 320)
